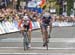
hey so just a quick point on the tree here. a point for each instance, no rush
(18, 4)
(69, 6)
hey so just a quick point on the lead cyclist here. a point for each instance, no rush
(46, 21)
(24, 23)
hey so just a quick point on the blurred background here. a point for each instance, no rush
(55, 6)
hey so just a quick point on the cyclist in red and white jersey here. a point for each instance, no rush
(24, 23)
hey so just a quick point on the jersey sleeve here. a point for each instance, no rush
(30, 24)
(20, 24)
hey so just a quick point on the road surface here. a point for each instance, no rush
(62, 41)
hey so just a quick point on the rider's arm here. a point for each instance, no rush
(20, 26)
(30, 25)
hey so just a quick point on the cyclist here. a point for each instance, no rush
(46, 20)
(24, 23)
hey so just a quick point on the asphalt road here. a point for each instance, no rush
(62, 41)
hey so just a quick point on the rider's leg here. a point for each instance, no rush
(45, 34)
(29, 36)
(30, 33)
(50, 27)
(41, 30)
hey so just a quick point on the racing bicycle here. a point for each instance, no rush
(25, 40)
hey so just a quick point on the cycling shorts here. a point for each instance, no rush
(44, 25)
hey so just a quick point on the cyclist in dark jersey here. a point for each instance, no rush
(46, 21)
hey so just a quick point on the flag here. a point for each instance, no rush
(43, 3)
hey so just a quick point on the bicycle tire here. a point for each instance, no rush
(24, 45)
(47, 44)
(25, 41)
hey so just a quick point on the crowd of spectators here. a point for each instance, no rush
(8, 14)
(62, 18)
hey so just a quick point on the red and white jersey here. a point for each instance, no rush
(21, 23)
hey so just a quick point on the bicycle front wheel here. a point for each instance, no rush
(25, 41)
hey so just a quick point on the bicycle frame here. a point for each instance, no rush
(25, 40)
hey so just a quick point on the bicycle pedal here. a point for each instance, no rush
(45, 44)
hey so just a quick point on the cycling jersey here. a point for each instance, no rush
(46, 19)
(22, 24)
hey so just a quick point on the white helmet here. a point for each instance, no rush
(26, 17)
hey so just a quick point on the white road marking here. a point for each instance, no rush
(36, 48)
(66, 40)
(42, 53)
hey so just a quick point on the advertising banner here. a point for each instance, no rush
(62, 24)
(15, 26)
(1, 29)
(38, 24)
(15, 23)
(37, 3)
(32, 4)
(39, 10)
(8, 27)
(5, 27)
(11, 27)
(35, 25)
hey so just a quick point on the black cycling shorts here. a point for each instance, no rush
(27, 27)
(44, 25)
